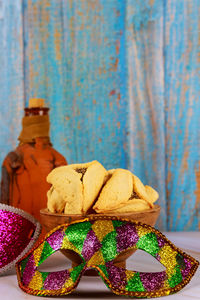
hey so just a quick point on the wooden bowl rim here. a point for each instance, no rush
(156, 208)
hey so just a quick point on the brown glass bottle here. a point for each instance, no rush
(25, 169)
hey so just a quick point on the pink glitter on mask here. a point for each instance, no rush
(18, 232)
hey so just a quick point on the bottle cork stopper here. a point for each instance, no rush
(36, 102)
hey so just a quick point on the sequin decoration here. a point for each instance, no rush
(29, 270)
(126, 236)
(55, 240)
(149, 243)
(135, 283)
(116, 275)
(99, 241)
(153, 281)
(91, 245)
(18, 232)
(55, 280)
(186, 270)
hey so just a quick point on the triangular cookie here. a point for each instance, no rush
(67, 184)
(93, 174)
(115, 192)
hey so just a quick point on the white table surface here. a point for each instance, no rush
(94, 288)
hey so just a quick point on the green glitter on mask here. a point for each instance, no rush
(44, 276)
(117, 223)
(76, 271)
(46, 252)
(180, 261)
(176, 278)
(109, 246)
(77, 234)
(103, 268)
(149, 243)
(23, 264)
(135, 284)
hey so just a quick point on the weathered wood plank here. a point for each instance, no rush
(96, 82)
(182, 82)
(146, 95)
(11, 74)
(75, 58)
(45, 63)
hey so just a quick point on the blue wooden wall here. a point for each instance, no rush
(122, 81)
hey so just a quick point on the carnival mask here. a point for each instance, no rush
(98, 241)
(18, 232)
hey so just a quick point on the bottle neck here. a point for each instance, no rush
(36, 111)
(35, 124)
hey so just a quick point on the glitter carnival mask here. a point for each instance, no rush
(18, 232)
(98, 241)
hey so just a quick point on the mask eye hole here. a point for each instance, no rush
(139, 261)
(142, 261)
(60, 260)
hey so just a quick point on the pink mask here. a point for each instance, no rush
(18, 233)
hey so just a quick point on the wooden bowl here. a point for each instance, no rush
(51, 220)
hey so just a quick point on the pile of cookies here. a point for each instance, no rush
(77, 188)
